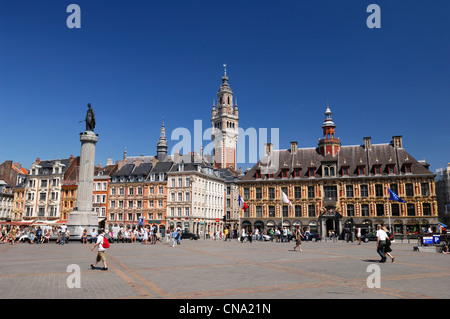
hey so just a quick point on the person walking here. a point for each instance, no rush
(101, 250)
(298, 239)
(62, 233)
(358, 234)
(174, 236)
(388, 248)
(381, 243)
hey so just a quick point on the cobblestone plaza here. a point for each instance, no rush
(208, 269)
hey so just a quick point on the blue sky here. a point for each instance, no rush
(139, 61)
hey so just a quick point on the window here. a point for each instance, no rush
(188, 197)
(271, 193)
(44, 183)
(391, 169)
(258, 211)
(161, 190)
(311, 172)
(188, 182)
(41, 211)
(395, 210)
(180, 182)
(365, 210)
(350, 210)
(378, 190)
(311, 192)
(246, 193)
(258, 193)
(377, 169)
(271, 211)
(411, 209)
(311, 211)
(408, 169)
(186, 211)
(380, 209)
(113, 191)
(285, 190)
(330, 193)
(364, 191)
(361, 170)
(258, 174)
(131, 191)
(345, 171)
(298, 211)
(426, 209)
(42, 196)
(409, 188)
(285, 211)
(139, 191)
(329, 170)
(425, 188)
(349, 191)
(394, 188)
(298, 192)
(297, 172)
(284, 173)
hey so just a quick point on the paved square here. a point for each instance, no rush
(208, 269)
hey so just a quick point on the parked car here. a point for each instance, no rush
(185, 234)
(369, 237)
(313, 237)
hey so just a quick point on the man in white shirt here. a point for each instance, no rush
(381, 243)
(62, 238)
(101, 250)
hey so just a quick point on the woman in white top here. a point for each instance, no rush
(145, 235)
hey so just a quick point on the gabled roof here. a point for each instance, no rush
(348, 156)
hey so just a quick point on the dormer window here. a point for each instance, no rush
(311, 172)
(345, 171)
(329, 171)
(284, 173)
(152, 177)
(297, 172)
(258, 174)
(391, 168)
(361, 170)
(408, 168)
(161, 176)
(377, 169)
(181, 167)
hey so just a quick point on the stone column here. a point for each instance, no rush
(84, 216)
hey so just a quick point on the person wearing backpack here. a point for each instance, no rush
(102, 244)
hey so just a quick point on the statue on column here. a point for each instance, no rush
(90, 119)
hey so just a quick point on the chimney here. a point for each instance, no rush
(268, 148)
(38, 160)
(109, 161)
(294, 147)
(367, 143)
(71, 158)
(397, 140)
(137, 161)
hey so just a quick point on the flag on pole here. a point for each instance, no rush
(394, 196)
(242, 204)
(286, 200)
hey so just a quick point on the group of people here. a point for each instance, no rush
(13, 234)
(146, 235)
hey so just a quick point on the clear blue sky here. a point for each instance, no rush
(139, 61)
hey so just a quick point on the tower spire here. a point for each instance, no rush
(161, 147)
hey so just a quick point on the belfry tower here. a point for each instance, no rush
(329, 144)
(225, 125)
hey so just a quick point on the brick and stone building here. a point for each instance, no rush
(338, 187)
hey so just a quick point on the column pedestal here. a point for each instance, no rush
(83, 216)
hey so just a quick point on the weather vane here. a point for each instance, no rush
(225, 67)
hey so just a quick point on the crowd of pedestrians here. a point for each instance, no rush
(13, 234)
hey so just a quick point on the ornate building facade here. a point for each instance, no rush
(335, 187)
